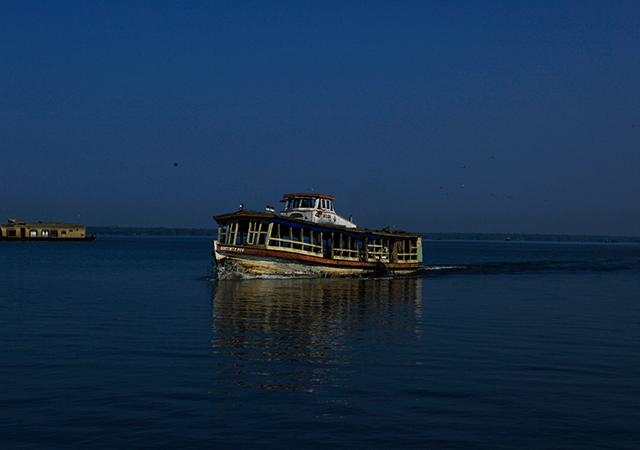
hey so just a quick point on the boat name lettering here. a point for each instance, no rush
(232, 249)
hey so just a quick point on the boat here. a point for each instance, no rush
(19, 230)
(308, 239)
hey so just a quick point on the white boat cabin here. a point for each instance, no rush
(315, 208)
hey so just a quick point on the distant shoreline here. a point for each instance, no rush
(213, 232)
(151, 231)
(527, 237)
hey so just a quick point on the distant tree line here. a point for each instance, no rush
(528, 237)
(156, 231)
(213, 232)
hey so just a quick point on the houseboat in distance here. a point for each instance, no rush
(308, 239)
(19, 230)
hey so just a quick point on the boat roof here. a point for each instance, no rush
(287, 196)
(16, 222)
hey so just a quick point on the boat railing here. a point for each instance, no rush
(407, 251)
(295, 239)
(294, 245)
(345, 254)
(345, 246)
(377, 250)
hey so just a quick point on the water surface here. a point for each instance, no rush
(129, 342)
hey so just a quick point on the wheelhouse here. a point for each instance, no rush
(321, 202)
(316, 208)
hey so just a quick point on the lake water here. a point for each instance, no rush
(128, 342)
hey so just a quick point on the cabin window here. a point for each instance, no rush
(257, 233)
(306, 203)
(45, 233)
(11, 232)
(33, 233)
(242, 232)
(54, 233)
(326, 244)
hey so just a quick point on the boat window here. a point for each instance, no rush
(54, 233)
(33, 233)
(306, 203)
(45, 233)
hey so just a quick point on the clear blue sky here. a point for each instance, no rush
(457, 116)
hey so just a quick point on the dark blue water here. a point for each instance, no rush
(126, 342)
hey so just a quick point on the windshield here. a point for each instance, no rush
(300, 203)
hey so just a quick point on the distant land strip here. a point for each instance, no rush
(527, 237)
(155, 231)
(213, 232)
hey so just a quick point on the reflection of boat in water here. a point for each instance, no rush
(309, 239)
(298, 333)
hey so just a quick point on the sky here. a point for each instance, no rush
(456, 116)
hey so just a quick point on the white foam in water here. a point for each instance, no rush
(443, 267)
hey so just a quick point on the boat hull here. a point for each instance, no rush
(236, 262)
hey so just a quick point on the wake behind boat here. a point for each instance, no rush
(308, 239)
